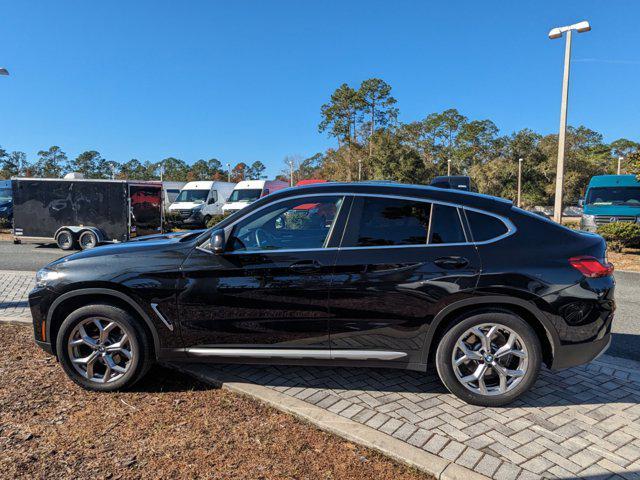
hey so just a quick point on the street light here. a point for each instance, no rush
(620, 164)
(553, 34)
(291, 172)
(228, 172)
(519, 179)
(4, 71)
(448, 167)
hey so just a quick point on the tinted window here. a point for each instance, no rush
(389, 221)
(485, 227)
(446, 226)
(297, 223)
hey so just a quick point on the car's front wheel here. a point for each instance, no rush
(489, 359)
(103, 347)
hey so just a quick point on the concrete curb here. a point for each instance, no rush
(16, 320)
(400, 451)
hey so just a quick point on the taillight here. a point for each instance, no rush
(591, 267)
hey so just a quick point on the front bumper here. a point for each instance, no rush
(40, 299)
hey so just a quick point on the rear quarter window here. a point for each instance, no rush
(485, 227)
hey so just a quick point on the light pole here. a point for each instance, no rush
(228, 172)
(291, 172)
(519, 180)
(620, 164)
(4, 71)
(359, 169)
(553, 34)
(448, 167)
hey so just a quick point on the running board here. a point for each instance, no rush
(295, 353)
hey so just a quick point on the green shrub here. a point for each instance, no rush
(215, 219)
(620, 235)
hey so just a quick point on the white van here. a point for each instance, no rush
(170, 191)
(199, 201)
(249, 191)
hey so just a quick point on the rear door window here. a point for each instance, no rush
(485, 227)
(388, 222)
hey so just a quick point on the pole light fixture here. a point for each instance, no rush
(519, 180)
(620, 159)
(4, 71)
(557, 32)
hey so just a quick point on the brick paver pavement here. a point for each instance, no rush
(582, 422)
(14, 288)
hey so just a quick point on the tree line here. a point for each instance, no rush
(54, 163)
(372, 144)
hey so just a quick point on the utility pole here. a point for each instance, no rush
(557, 33)
(620, 164)
(519, 180)
(161, 171)
(359, 169)
(448, 167)
(228, 172)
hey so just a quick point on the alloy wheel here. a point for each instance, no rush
(101, 350)
(490, 359)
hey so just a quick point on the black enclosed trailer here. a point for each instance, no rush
(83, 212)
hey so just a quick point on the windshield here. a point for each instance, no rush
(197, 196)
(248, 195)
(614, 196)
(5, 195)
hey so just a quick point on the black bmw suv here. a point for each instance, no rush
(357, 274)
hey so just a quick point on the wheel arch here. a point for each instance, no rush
(70, 301)
(522, 308)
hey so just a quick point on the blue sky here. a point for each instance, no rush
(244, 81)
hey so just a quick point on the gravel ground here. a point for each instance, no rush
(170, 426)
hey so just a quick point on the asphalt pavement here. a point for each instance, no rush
(626, 326)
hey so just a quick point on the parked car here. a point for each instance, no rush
(201, 200)
(459, 182)
(6, 200)
(610, 198)
(392, 275)
(249, 191)
(77, 212)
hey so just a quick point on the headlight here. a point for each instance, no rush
(589, 220)
(45, 276)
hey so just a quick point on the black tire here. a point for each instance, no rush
(445, 352)
(87, 240)
(139, 339)
(66, 240)
(206, 221)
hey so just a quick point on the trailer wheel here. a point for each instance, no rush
(65, 240)
(87, 240)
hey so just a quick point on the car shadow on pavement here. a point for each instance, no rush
(163, 379)
(572, 387)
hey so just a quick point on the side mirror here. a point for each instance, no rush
(581, 202)
(217, 242)
(211, 201)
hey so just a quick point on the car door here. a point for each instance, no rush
(400, 262)
(269, 288)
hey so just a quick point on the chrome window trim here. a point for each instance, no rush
(511, 229)
(169, 325)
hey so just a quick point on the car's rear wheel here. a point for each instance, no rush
(489, 359)
(102, 347)
(206, 221)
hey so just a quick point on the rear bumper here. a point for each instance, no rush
(568, 356)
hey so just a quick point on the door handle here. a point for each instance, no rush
(451, 262)
(305, 266)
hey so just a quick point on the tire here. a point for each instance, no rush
(66, 240)
(502, 381)
(206, 220)
(87, 240)
(127, 370)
